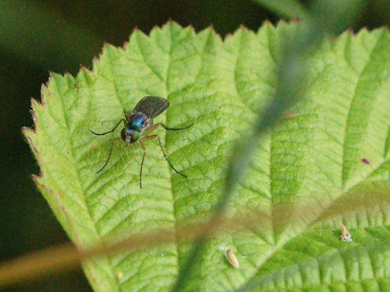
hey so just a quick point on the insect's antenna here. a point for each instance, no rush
(113, 129)
(109, 156)
(175, 129)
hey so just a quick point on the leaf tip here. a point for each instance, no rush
(95, 61)
(34, 104)
(36, 178)
(282, 22)
(350, 31)
(228, 35)
(26, 131)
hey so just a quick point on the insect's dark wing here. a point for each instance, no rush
(151, 106)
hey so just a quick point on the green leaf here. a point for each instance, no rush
(304, 177)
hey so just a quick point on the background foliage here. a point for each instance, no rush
(38, 36)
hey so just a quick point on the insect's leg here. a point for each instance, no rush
(109, 156)
(155, 126)
(113, 129)
(174, 129)
(149, 130)
(163, 151)
(142, 162)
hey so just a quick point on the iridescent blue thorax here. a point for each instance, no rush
(136, 124)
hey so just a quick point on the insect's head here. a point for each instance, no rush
(130, 136)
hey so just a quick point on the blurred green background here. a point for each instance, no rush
(50, 35)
